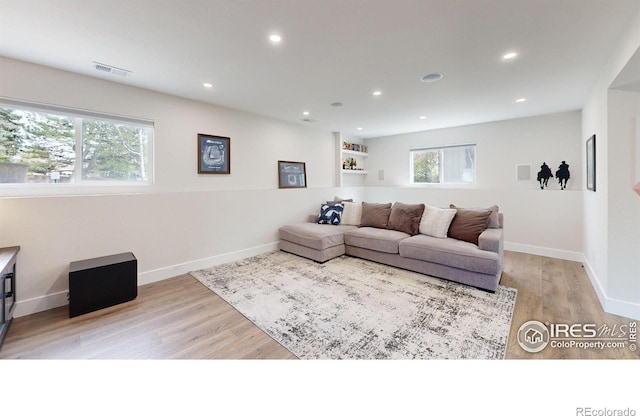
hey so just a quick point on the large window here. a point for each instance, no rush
(46, 144)
(450, 164)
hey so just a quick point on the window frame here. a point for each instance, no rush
(79, 185)
(444, 184)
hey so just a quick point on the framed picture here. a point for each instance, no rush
(214, 154)
(292, 174)
(591, 163)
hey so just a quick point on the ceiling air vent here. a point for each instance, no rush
(308, 120)
(110, 69)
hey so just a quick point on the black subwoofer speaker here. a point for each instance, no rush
(102, 282)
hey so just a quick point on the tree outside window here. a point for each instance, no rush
(38, 147)
(450, 164)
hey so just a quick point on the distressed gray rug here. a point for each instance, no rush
(348, 308)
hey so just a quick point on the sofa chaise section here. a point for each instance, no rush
(318, 242)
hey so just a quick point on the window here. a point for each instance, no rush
(45, 144)
(450, 164)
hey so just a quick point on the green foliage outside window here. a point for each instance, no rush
(447, 164)
(42, 148)
(426, 167)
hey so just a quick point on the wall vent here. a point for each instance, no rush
(110, 69)
(523, 172)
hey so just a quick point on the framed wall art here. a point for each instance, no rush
(214, 154)
(292, 174)
(591, 163)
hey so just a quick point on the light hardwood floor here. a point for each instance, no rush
(179, 318)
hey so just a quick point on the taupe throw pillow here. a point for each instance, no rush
(494, 219)
(468, 224)
(406, 218)
(375, 215)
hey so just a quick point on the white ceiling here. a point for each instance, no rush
(334, 50)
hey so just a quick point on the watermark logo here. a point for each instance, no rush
(590, 411)
(533, 336)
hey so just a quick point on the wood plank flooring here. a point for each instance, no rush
(179, 318)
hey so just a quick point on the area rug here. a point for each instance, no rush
(349, 308)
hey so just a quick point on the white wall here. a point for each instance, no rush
(546, 222)
(624, 207)
(185, 220)
(611, 220)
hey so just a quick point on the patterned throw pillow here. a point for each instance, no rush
(330, 214)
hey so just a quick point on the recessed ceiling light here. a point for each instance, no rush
(275, 38)
(509, 56)
(376, 93)
(423, 117)
(359, 128)
(305, 113)
(208, 85)
(435, 77)
(521, 100)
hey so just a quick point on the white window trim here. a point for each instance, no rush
(446, 185)
(83, 187)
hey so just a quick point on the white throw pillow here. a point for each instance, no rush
(352, 213)
(435, 222)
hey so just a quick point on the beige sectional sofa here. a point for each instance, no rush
(459, 244)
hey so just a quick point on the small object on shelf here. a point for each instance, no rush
(354, 147)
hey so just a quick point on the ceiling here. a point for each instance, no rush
(334, 51)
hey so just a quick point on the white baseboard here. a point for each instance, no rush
(544, 251)
(178, 269)
(610, 305)
(55, 300)
(40, 303)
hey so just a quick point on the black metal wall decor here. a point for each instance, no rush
(544, 175)
(562, 174)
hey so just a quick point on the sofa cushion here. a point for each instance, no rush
(315, 236)
(375, 239)
(351, 214)
(405, 217)
(375, 215)
(450, 252)
(468, 224)
(330, 214)
(435, 222)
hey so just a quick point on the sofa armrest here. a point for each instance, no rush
(491, 239)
